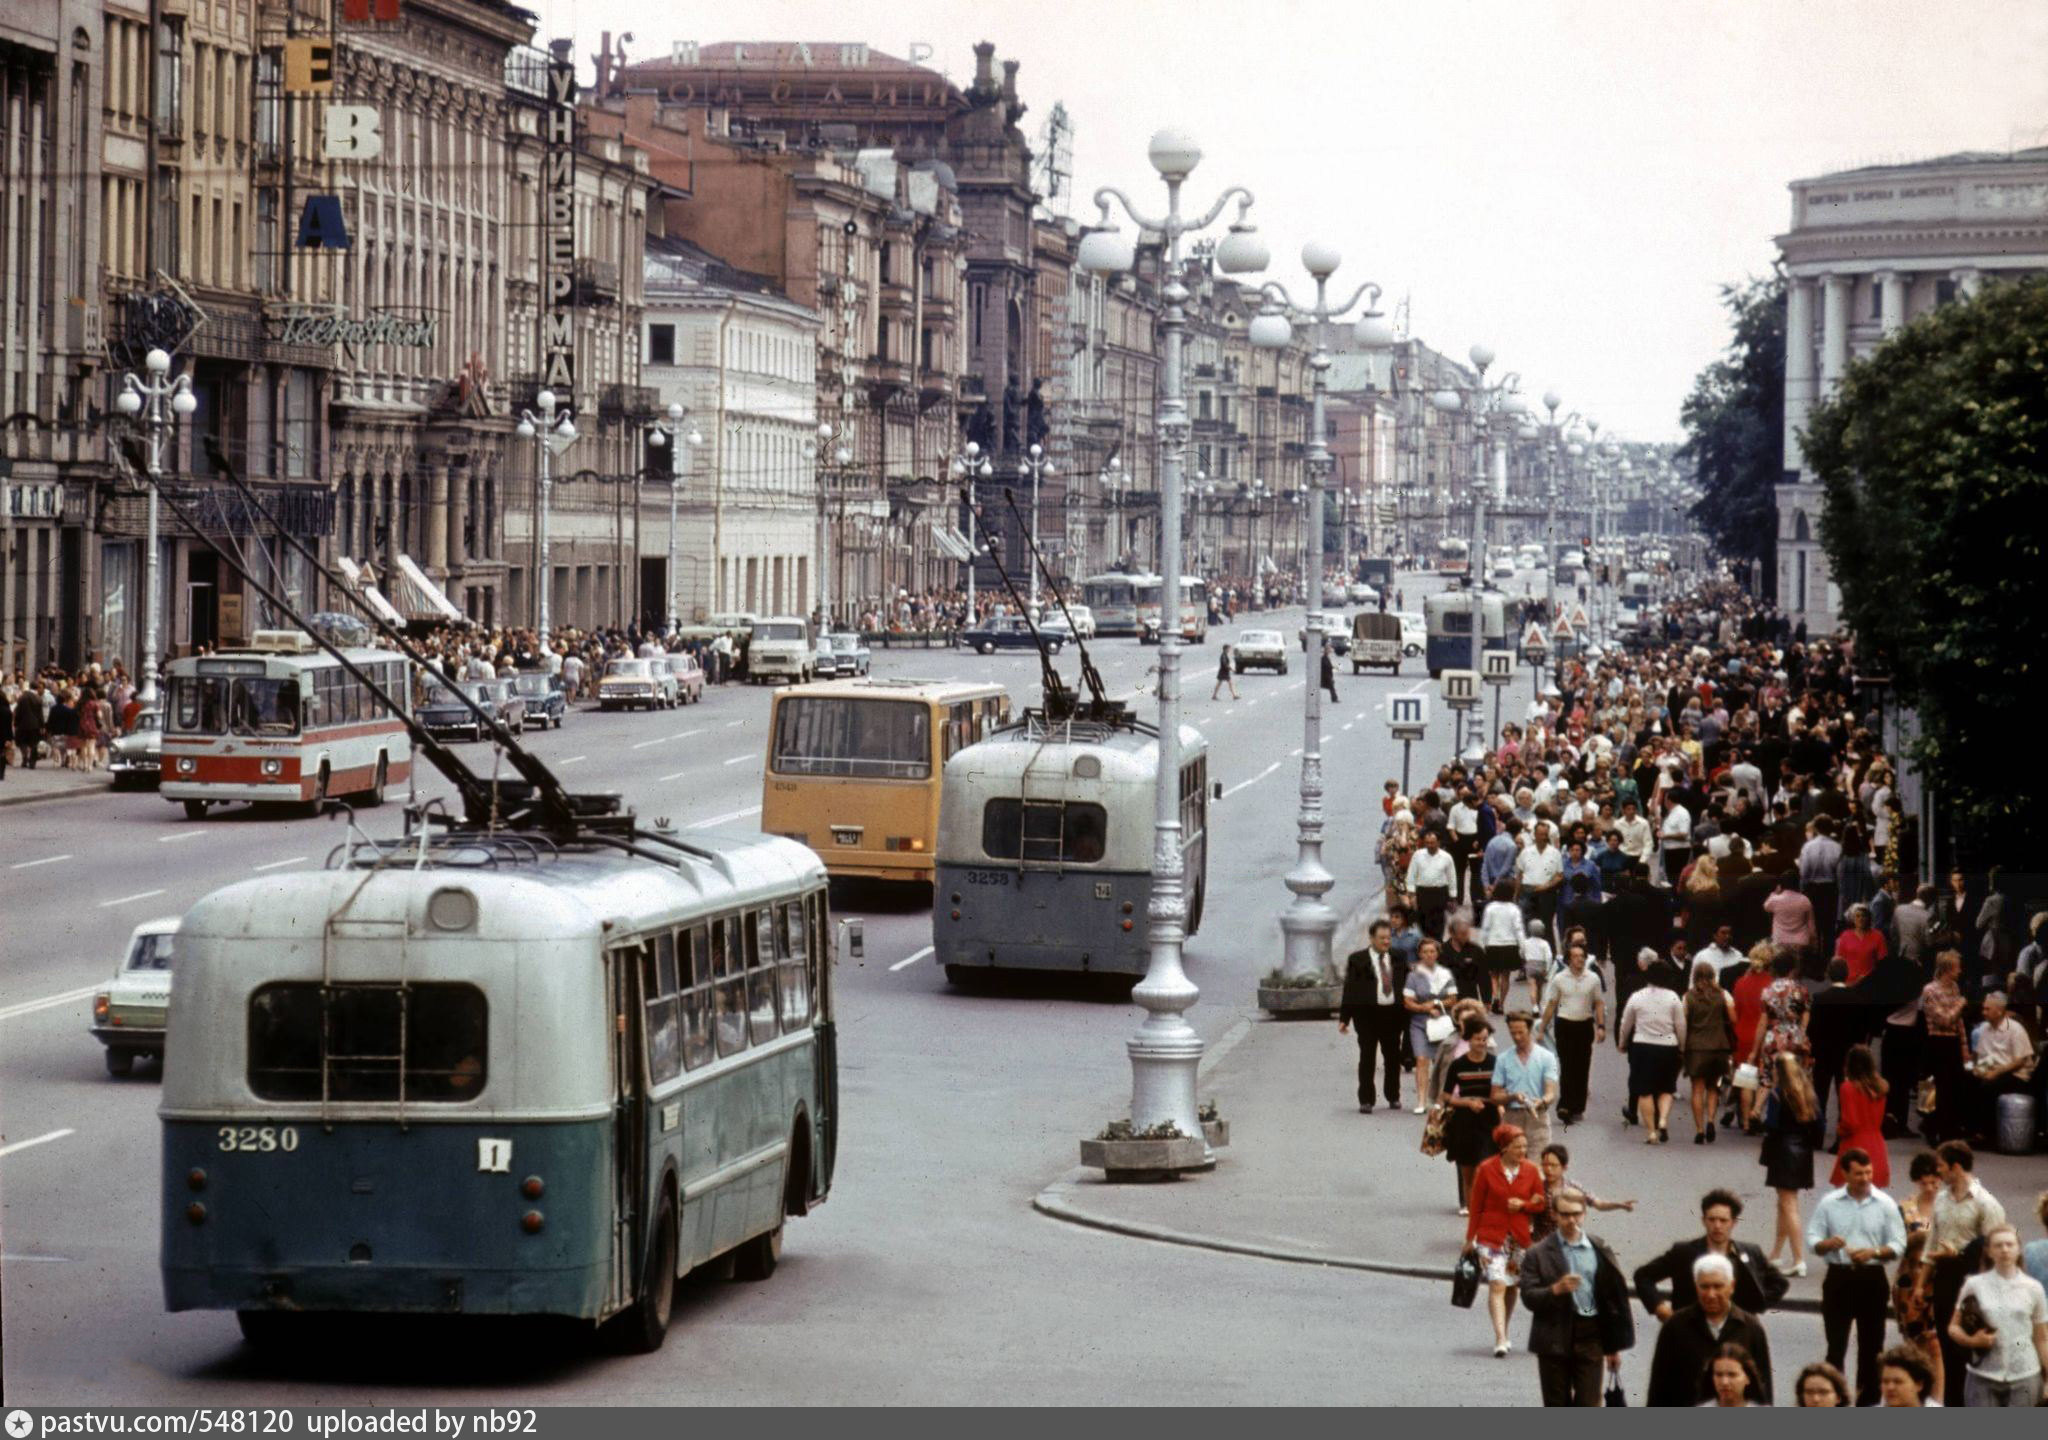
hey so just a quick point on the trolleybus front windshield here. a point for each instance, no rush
(866, 738)
(213, 704)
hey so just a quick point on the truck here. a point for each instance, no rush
(1378, 572)
(1376, 642)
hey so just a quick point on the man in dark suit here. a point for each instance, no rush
(1694, 1332)
(1839, 1020)
(1579, 1320)
(1373, 980)
(1758, 1284)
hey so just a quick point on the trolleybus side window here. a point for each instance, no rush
(729, 992)
(760, 975)
(792, 954)
(199, 704)
(1074, 832)
(698, 1047)
(361, 1039)
(664, 1023)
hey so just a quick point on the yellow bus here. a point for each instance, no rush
(854, 768)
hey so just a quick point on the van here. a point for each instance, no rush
(1376, 641)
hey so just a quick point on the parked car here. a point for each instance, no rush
(1375, 640)
(1414, 633)
(546, 703)
(1360, 593)
(638, 684)
(851, 652)
(1009, 632)
(442, 711)
(689, 676)
(1084, 620)
(506, 703)
(1335, 630)
(1261, 649)
(137, 757)
(824, 659)
(128, 1016)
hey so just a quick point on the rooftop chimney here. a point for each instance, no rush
(984, 65)
(1010, 80)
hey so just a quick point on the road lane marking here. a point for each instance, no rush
(738, 759)
(127, 899)
(46, 860)
(909, 960)
(280, 864)
(1295, 753)
(1253, 781)
(664, 739)
(730, 724)
(29, 1007)
(20, 1145)
(572, 759)
(181, 835)
(722, 819)
(1348, 724)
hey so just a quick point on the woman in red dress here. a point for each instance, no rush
(1506, 1191)
(1862, 1128)
(1749, 1012)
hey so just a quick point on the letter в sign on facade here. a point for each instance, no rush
(351, 132)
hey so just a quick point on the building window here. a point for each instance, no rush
(1877, 298)
(1944, 292)
(661, 344)
(170, 88)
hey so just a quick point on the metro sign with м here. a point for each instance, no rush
(1461, 688)
(1408, 716)
(1497, 667)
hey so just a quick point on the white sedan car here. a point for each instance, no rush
(1084, 621)
(1265, 649)
(1414, 633)
(128, 1016)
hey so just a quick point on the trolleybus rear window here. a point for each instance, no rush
(1073, 832)
(367, 1043)
(882, 739)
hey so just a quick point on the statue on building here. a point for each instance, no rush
(1036, 426)
(981, 426)
(1013, 417)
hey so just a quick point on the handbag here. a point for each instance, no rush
(1465, 1281)
(1746, 1077)
(1433, 1130)
(1616, 1398)
(1438, 1028)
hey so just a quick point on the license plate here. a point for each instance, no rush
(846, 835)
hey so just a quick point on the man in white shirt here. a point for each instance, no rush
(2003, 1062)
(1745, 776)
(1675, 835)
(1464, 821)
(1539, 871)
(1723, 956)
(1635, 836)
(1432, 875)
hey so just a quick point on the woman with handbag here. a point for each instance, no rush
(1469, 1114)
(1427, 997)
(1791, 1133)
(1506, 1190)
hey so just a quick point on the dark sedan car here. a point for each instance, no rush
(1010, 632)
(546, 704)
(442, 713)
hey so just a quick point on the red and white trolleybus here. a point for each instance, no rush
(280, 721)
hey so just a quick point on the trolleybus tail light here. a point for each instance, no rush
(196, 1213)
(531, 1222)
(532, 1188)
(195, 1178)
(273, 767)
(1127, 924)
(956, 914)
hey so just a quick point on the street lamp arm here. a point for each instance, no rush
(1359, 294)
(1110, 192)
(1274, 290)
(1236, 192)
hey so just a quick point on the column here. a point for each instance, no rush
(1798, 365)
(1969, 280)
(437, 520)
(1892, 300)
(459, 510)
(1834, 331)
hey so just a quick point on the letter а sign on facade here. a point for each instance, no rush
(320, 224)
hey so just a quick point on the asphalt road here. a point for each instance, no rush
(927, 1278)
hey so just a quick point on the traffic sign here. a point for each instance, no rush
(1461, 688)
(1578, 617)
(1497, 667)
(1532, 638)
(1408, 715)
(1562, 631)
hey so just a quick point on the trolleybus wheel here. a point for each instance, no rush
(195, 809)
(318, 804)
(376, 795)
(757, 1258)
(958, 975)
(643, 1325)
(269, 1329)
(120, 1062)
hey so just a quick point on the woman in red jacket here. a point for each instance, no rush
(1506, 1190)
(1863, 1094)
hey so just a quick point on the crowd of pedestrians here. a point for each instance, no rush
(1696, 849)
(64, 719)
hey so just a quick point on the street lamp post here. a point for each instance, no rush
(1166, 1050)
(146, 398)
(967, 467)
(1485, 402)
(1308, 923)
(672, 436)
(555, 434)
(830, 537)
(1034, 467)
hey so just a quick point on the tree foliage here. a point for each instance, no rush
(1933, 457)
(1735, 425)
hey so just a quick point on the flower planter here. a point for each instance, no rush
(1216, 1132)
(1123, 1160)
(1306, 1001)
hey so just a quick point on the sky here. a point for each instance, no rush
(1568, 181)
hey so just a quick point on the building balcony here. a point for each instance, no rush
(897, 299)
(597, 282)
(628, 402)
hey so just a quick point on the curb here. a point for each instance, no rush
(71, 794)
(1051, 1202)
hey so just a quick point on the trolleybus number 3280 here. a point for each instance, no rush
(259, 1138)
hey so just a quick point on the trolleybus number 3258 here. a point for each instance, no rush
(259, 1138)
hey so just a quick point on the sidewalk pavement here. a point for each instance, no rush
(1307, 1178)
(50, 782)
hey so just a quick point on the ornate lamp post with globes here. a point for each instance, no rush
(1034, 466)
(1166, 1050)
(555, 434)
(1486, 404)
(1309, 922)
(673, 436)
(967, 467)
(146, 398)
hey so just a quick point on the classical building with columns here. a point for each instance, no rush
(1868, 251)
